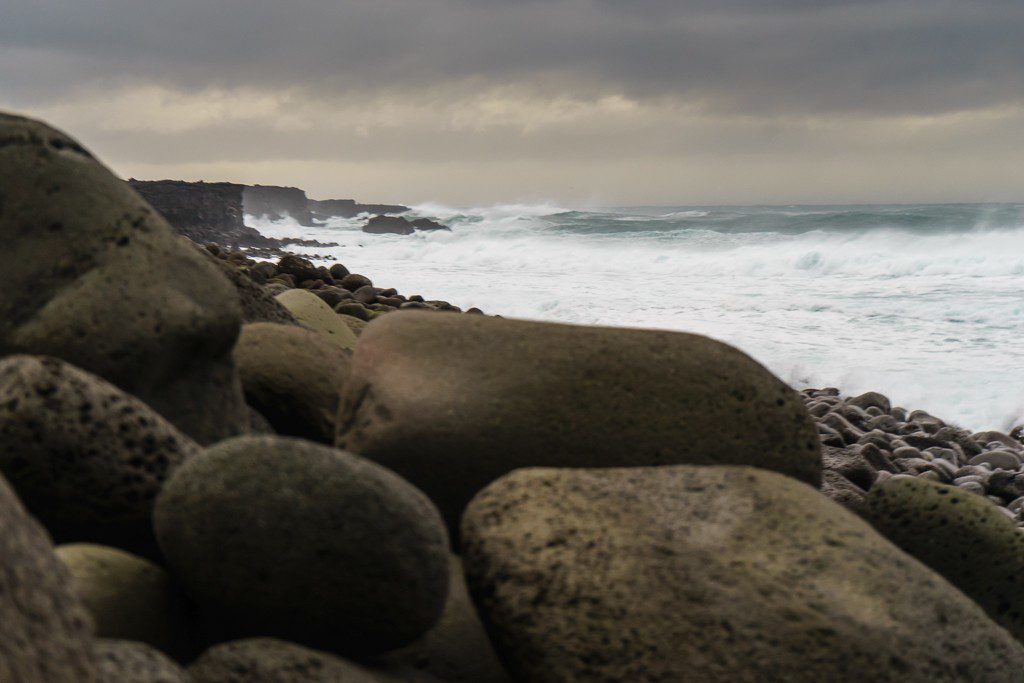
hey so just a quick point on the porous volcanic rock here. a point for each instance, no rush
(960, 535)
(310, 543)
(125, 661)
(452, 402)
(692, 573)
(86, 458)
(45, 633)
(91, 274)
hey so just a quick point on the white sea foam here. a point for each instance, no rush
(932, 316)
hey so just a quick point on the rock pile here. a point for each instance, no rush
(867, 440)
(272, 473)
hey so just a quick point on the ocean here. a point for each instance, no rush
(924, 303)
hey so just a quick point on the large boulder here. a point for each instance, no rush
(959, 534)
(85, 457)
(314, 313)
(125, 661)
(293, 377)
(453, 402)
(268, 660)
(130, 598)
(287, 538)
(397, 225)
(90, 273)
(457, 649)
(45, 633)
(711, 574)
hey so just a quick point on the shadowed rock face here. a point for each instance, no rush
(45, 633)
(277, 202)
(452, 402)
(91, 274)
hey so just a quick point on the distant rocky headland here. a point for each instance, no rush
(215, 212)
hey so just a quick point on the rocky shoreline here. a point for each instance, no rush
(222, 469)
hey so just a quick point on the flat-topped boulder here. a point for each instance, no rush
(92, 274)
(711, 574)
(452, 402)
(397, 225)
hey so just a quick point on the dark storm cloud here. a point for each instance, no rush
(805, 56)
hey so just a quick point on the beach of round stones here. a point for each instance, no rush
(276, 472)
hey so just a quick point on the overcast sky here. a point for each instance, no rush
(575, 101)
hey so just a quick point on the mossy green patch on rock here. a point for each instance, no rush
(691, 573)
(959, 534)
(311, 311)
(130, 598)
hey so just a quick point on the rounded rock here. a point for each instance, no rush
(312, 544)
(130, 598)
(86, 458)
(125, 661)
(311, 311)
(293, 377)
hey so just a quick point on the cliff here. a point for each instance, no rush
(349, 208)
(276, 202)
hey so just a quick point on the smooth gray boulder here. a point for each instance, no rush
(293, 377)
(452, 402)
(45, 633)
(711, 574)
(92, 274)
(281, 537)
(86, 458)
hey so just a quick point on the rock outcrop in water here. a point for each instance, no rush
(349, 208)
(396, 225)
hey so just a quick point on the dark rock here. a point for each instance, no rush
(86, 458)
(396, 225)
(352, 309)
(348, 208)
(125, 661)
(849, 463)
(710, 574)
(292, 376)
(311, 544)
(453, 402)
(277, 202)
(961, 536)
(841, 490)
(130, 598)
(366, 295)
(45, 633)
(990, 436)
(256, 302)
(354, 281)
(457, 649)
(268, 660)
(333, 296)
(90, 273)
(298, 267)
(997, 459)
(338, 271)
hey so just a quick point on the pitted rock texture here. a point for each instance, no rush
(91, 274)
(45, 633)
(125, 661)
(86, 458)
(711, 574)
(960, 535)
